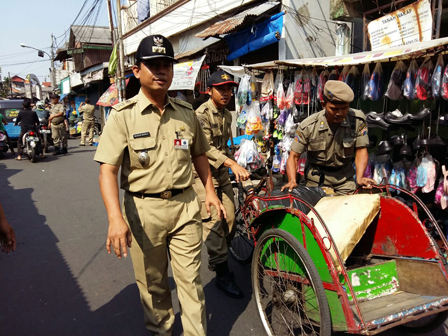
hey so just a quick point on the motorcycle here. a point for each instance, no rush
(3, 144)
(46, 133)
(32, 145)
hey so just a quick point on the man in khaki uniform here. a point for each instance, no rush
(155, 139)
(58, 128)
(88, 121)
(216, 122)
(331, 138)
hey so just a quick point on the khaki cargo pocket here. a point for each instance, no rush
(142, 145)
(349, 148)
(318, 149)
(183, 155)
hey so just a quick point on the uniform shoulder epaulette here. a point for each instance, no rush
(202, 108)
(125, 104)
(312, 119)
(357, 113)
(181, 102)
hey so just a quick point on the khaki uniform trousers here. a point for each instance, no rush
(59, 135)
(217, 233)
(87, 126)
(339, 181)
(160, 226)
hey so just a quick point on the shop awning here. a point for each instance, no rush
(226, 26)
(391, 54)
(110, 96)
(261, 35)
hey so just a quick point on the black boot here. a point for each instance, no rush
(225, 281)
(57, 151)
(64, 150)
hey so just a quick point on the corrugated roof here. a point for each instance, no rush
(92, 34)
(223, 27)
(190, 52)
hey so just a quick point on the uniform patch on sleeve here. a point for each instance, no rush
(362, 129)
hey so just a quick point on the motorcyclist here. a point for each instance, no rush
(41, 112)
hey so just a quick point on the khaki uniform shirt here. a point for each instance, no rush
(136, 126)
(88, 112)
(327, 149)
(56, 109)
(216, 125)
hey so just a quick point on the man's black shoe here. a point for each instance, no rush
(228, 286)
(64, 150)
(57, 151)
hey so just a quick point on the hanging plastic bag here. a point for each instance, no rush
(436, 80)
(289, 98)
(252, 87)
(423, 81)
(376, 83)
(344, 73)
(444, 90)
(395, 87)
(280, 97)
(254, 124)
(242, 117)
(298, 87)
(430, 175)
(334, 74)
(323, 77)
(243, 90)
(306, 87)
(365, 78)
(267, 87)
(285, 156)
(409, 82)
(266, 111)
(353, 79)
(278, 80)
(290, 126)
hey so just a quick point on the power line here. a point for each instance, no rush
(22, 63)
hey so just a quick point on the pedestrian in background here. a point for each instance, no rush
(88, 121)
(58, 125)
(3, 129)
(7, 234)
(155, 139)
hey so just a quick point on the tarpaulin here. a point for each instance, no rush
(256, 37)
(110, 96)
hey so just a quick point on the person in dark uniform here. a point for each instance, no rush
(156, 140)
(332, 138)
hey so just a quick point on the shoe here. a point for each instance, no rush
(396, 117)
(384, 148)
(57, 151)
(433, 142)
(377, 120)
(423, 114)
(64, 150)
(81, 144)
(90, 144)
(228, 286)
(405, 150)
(396, 140)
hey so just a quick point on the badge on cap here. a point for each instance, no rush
(143, 158)
(330, 95)
(225, 76)
(158, 45)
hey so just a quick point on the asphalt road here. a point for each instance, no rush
(61, 281)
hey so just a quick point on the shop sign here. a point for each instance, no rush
(185, 74)
(405, 26)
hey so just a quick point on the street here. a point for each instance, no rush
(61, 281)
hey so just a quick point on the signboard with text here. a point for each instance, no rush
(405, 26)
(185, 74)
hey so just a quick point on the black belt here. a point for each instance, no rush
(326, 168)
(163, 195)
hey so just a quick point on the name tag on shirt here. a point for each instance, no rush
(181, 144)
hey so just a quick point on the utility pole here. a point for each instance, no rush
(121, 81)
(53, 74)
(114, 42)
(10, 83)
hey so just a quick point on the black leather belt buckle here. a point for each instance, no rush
(166, 194)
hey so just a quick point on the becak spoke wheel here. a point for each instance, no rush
(289, 294)
(242, 245)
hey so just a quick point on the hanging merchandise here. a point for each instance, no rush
(395, 88)
(398, 176)
(277, 82)
(376, 83)
(253, 87)
(302, 164)
(247, 156)
(295, 114)
(436, 80)
(344, 73)
(243, 91)
(204, 75)
(314, 80)
(267, 111)
(409, 82)
(445, 83)
(267, 87)
(365, 78)
(282, 118)
(242, 117)
(323, 77)
(285, 156)
(290, 126)
(280, 97)
(306, 87)
(430, 167)
(423, 81)
(277, 160)
(289, 98)
(353, 79)
(411, 178)
(254, 124)
(334, 74)
(298, 87)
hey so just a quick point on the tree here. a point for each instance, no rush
(5, 87)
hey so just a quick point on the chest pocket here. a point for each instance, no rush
(141, 145)
(348, 148)
(318, 150)
(183, 155)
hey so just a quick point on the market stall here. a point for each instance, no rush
(401, 90)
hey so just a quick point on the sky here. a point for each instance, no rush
(32, 22)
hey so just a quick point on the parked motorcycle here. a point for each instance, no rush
(46, 133)
(3, 144)
(32, 145)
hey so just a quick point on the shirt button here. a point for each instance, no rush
(167, 170)
(166, 153)
(163, 137)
